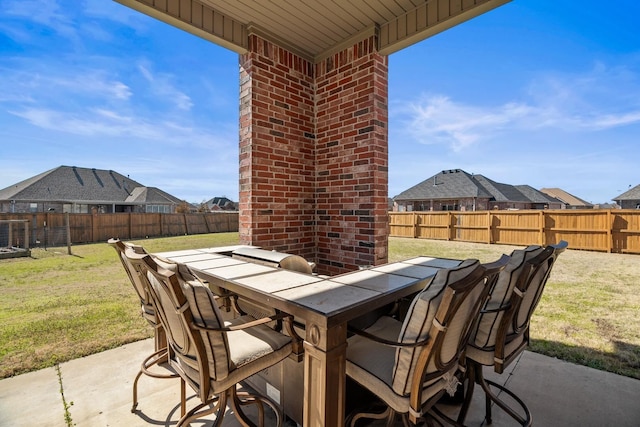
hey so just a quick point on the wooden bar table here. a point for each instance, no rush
(324, 305)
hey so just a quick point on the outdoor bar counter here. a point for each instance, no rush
(323, 304)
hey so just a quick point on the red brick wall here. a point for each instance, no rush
(352, 158)
(276, 150)
(313, 154)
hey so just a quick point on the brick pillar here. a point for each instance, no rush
(277, 175)
(352, 158)
(313, 154)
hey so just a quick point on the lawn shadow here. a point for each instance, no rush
(624, 360)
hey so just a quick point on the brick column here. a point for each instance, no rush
(313, 154)
(277, 170)
(352, 158)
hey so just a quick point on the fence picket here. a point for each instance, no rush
(53, 229)
(604, 230)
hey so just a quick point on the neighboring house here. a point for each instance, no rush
(221, 204)
(82, 190)
(570, 201)
(457, 190)
(630, 199)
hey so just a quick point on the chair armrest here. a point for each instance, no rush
(504, 307)
(297, 353)
(383, 341)
(242, 326)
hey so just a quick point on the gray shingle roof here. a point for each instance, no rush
(632, 194)
(151, 195)
(447, 184)
(536, 196)
(456, 183)
(72, 184)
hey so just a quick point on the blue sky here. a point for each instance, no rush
(537, 92)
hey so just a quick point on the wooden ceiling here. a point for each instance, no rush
(314, 29)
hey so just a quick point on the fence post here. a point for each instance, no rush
(414, 224)
(47, 224)
(26, 234)
(489, 227)
(609, 232)
(206, 221)
(94, 226)
(450, 227)
(541, 222)
(67, 227)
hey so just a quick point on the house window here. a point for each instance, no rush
(158, 209)
(449, 207)
(75, 208)
(33, 207)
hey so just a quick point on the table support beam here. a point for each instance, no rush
(325, 376)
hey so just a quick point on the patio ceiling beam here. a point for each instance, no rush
(196, 18)
(314, 30)
(429, 19)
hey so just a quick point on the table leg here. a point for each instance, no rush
(324, 376)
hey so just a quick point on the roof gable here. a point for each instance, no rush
(631, 194)
(447, 184)
(565, 197)
(73, 184)
(536, 196)
(151, 195)
(219, 201)
(501, 192)
(456, 183)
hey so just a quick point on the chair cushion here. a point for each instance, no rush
(533, 293)
(418, 322)
(205, 312)
(371, 365)
(486, 356)
(375, 358)
(249, 344)
(227, 351)
(484, 333)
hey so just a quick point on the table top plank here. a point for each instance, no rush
(277, 280)
(189, 258)
(326, 296)
(433, 262)
(226, 249)
(212, 263)
(408, 270)
(178, 254)
(236, 271)
(374, 280)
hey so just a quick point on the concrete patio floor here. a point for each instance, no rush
(99, 388)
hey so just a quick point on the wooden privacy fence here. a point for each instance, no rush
(57, 229)
(607, 230)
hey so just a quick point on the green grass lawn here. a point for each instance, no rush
(55, 307)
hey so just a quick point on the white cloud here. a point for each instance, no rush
(48, 83)
(43, 12)
(161, 85)
(600, 99)
(108, 123)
